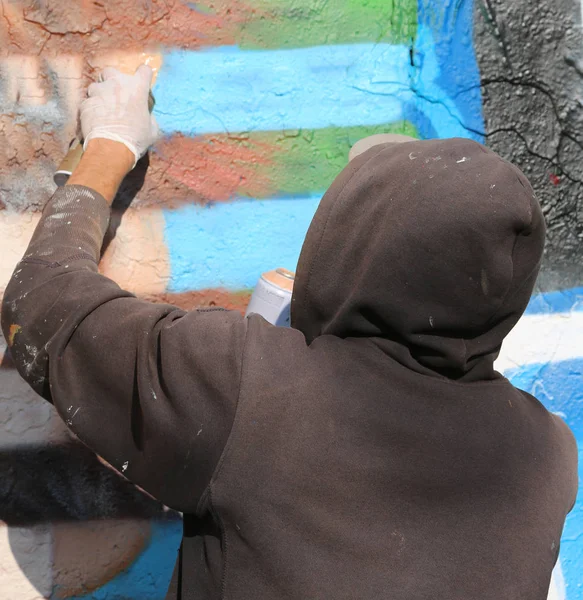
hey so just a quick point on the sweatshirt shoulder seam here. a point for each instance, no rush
(207, 491)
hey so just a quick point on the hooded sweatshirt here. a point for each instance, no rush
(371, 450)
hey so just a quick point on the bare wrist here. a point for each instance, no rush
(103, 167)
(110, 154)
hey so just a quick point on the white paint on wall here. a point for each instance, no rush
(23, 83)
(557, 589)
(25, 418)
(67, 559)
(33, 547)
(52, 88)
(541, 339)
(16, 229)
(137, 259)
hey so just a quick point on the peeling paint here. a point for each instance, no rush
(14, 330)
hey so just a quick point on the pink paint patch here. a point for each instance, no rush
(114, 546)
(53, 28)
(219, 168)
(217, 298)
(14, 329)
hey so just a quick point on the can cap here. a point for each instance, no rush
(281, 278)
(374, 140)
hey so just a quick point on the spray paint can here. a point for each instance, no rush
(73, 156)
(272, 297)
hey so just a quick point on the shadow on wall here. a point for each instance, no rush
(66, 483)
(73, 523)
(128, 191)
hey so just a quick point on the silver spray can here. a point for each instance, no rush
(272, 297)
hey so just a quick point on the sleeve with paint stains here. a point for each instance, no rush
(149, 387)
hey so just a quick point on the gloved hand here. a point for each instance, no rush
(117, 109)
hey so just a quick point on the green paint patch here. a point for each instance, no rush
(307, 161)
(311, 160)
(301, 23)
(265, 164)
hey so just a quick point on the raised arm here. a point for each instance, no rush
(149, 387)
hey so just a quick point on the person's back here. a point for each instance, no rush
(371, 450)
(375, 452)
(357, 478)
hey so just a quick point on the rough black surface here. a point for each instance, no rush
(67, 483)
(530, 55)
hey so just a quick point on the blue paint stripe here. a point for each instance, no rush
(232, 90)
(230, 245)
(227, 245)
(148, 577)
(229, 89)
(448, 28)
(559, 386)
(562, 301)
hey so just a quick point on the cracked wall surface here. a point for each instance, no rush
(530, 55)
(259, 102)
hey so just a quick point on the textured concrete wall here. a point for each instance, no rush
(259, 102)
(530, 58)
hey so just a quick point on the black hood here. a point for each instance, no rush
(429, 248)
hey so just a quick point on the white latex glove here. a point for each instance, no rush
(117, 109)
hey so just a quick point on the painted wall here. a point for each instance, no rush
(259, 102)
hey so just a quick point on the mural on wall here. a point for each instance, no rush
(259, 102)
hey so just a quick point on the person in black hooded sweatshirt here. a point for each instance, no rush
(369, 451)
